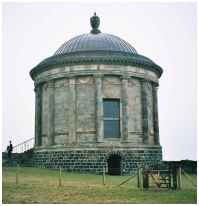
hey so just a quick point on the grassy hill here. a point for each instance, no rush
(41, 186)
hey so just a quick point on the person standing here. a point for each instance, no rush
(9, 150)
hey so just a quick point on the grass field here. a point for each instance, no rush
(41, 186)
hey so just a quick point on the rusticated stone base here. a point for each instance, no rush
(93, 161)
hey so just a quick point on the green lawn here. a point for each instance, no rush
(41, 186)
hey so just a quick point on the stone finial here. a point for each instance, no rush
(95, 22)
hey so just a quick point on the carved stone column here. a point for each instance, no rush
(99, 108)
(124, 101)
(72, 110)
(145, 126)
(51, 112)
(38, 114)
(155, 114)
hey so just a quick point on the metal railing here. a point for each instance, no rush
(24, 146)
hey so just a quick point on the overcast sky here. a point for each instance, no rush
(164, 32)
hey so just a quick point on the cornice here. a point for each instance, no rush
(97, 57)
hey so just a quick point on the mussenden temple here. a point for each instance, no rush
(96, 106)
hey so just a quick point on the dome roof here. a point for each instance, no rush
(95, 42)
(96, 48)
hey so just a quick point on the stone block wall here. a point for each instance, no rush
(93, 161)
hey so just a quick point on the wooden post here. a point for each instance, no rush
(141, 178)
(138, 177)
(146, 179)
(174, 175)
(17, 175)
(179, 180)
(104, 178)
(60, 177)
(170, 176)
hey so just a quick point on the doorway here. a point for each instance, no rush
(114, 164)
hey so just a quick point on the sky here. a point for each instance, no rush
(164, 32)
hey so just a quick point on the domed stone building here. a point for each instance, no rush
(96, 106)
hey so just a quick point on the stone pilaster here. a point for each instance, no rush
(155, 115)
(38, 114)
(51, 112)
(72, 110)
(124, 104)
(99, 108)
(145, 126)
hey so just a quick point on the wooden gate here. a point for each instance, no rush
(161, 178)
(169, 179)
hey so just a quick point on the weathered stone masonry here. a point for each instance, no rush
(70, 88)
(135, 135)
(93, 161)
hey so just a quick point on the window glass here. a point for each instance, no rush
(111, 108)
(112, 128)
